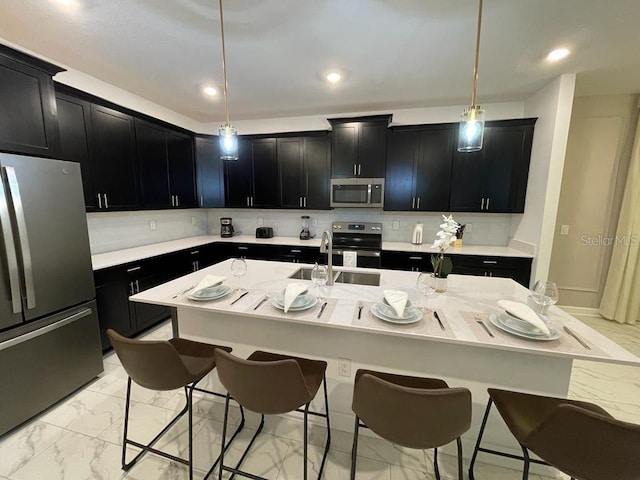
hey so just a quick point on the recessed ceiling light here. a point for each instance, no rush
(334, 77)
(211, 91)
(557, 54)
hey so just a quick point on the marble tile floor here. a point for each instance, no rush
(80, 438)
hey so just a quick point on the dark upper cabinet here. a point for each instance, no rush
(113, 158)
(253, 179)
(210, 172)
(359, 146)
(495, 178)
(74, 125)
(419, 168)
(28, 117)
(166, 165)
(304, 172)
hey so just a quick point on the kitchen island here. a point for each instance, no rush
(462, 353)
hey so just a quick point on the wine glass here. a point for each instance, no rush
(425, 285)
(545, 294)
(319, 277)
(238, 267)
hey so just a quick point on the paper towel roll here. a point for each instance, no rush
(350, 259)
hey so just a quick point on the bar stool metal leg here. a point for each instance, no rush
(477, 448)
(354, 448)
(435, 463)
(525, 455)
(459, 444)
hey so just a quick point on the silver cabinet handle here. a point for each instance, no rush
(359, 167)
(10, 247)
(482, 205)
(354, 169)
(252, 201)
(300, 201)
(133, 269)
(177, 200)
(293, 250)
(413, 202)
(195, 252)
(137, 287)
(23, 237)
(240, 247)
(304, 202)
(418, 204)
(99, 201)
(487, 203)
(490, 262)
(131, 288)
(106, 202)
(173, 200)
(197, 265)
(415, 258)
(201, 200)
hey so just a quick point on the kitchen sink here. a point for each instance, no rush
(357, 278)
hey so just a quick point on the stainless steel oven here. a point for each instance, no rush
(357, 192)
(364, 238)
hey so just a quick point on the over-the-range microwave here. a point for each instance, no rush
(357, 192)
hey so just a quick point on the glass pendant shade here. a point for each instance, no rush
(228, 142)
(471, 129)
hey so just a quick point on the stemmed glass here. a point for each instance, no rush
(424, 284)
(319, 277)
(238, 267)
(545, 294)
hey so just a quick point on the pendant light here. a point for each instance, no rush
(472, 124)
(228, 134)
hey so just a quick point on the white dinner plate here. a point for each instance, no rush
(499, 322)
(209, 293)
(388, 314)
(301, 302)
(519, 325)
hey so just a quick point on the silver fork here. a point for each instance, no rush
(484, 325)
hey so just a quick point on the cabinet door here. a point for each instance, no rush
(112, 304)
(266, 185)
(433, 174)
(210, 172)
(507, 167)
(290, 164)
(344, 144)
(146, 315)
(238, 177)
(151, 141)
(28, 117)
(74, 126)
(372, 150)
(466, 179)
(399, 185)
(182, 173)
(113, 156)
(316, 162)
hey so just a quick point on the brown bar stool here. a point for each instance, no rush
(414, 412)
(271, 383)
(165, 365)
(578, 438)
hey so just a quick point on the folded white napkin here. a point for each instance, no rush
(209, 281)
(397, 299)
(291, 293)
(524, 312)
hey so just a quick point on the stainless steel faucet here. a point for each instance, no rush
(326, 246)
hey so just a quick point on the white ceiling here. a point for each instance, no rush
(393, 53)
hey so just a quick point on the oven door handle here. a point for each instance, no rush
(361, 253)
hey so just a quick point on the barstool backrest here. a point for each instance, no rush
(586, 444)
(263, 387)
(151, 364)
(409, 416)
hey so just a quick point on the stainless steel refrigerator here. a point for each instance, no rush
(49, 335)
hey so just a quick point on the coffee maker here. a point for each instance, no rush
(226, 229)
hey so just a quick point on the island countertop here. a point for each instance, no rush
(466, 296)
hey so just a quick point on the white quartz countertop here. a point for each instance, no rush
(128, 255)
(465, 296)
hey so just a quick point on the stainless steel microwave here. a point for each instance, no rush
(357, 192)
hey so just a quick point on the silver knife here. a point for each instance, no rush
(245, 293)
(260, 302)
(570, 332)
(322, 309)
(435, 314)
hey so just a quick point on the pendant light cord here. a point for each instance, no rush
(224, 63)
(475, 65)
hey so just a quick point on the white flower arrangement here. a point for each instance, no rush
(442, 265)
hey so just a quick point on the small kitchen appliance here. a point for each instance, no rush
(304, 233)
(416, 237)
(264, 232)
(226, 228)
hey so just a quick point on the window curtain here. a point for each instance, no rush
(621, 295)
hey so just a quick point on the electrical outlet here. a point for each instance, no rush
(564, 230)
(344, 367)
(260, 221)
(152, 225)
(314, 223)
(396, 225)
(468, 228)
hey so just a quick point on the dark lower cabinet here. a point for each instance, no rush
(517, 268)
(113, 303)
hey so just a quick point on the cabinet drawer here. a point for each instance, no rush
(491, 262)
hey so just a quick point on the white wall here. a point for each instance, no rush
(552, 105)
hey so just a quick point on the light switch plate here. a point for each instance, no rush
(152, 225)
(396, 225)
(468, 228)
(314, 222)
(260, 221)
(344, 367)
(564, 230)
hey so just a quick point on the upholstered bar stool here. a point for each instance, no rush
(413, 412)
(271, 383)
(578, 438)
(165, 365)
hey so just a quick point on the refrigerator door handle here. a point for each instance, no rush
(25, 250)
(41, 331)
(10, 247)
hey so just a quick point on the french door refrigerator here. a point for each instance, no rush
(49, 335)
